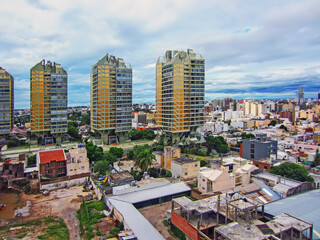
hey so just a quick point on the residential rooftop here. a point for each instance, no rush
(183, 160)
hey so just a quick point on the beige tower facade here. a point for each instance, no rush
(6, 102)
(48, 100)
(111, 99)
(180, 77)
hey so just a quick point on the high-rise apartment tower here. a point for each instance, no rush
(180, 79)
(111, 99)
(6, 102)
(48, 99)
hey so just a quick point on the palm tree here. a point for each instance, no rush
(144, 159)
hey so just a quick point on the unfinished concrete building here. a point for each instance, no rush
(232, 216)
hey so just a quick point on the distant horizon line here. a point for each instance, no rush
(274, 99)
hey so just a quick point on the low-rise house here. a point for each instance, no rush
(185, 167)
(123, 165)
(228, 177)
(52, 164)
(16, 173)
(13, 168)
(121, 178)
(77, 161)
(260, 192)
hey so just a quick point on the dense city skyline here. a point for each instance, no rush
(252, 49)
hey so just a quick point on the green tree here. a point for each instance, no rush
(134, 134)
(247, 136)
(85, 119)
(316, 161)
(217, 143)
(111, 158)
(32, 160)
(130, 154)
(272, 123)
(148, 134)
(292, 170)
(94, 152)
(101, 167)
(73, 132)
(284, 128)
(117, 151)
(15, 142)
(160, 148)
(144, 159)
(228, 122)
(203, 163)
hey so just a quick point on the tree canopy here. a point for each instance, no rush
(117, 151)
(101, 167)
(94, 152)
(74, 132)
(144, 159)
(316, 161)
(292, 170)
(284, 128)
(142, 134)
(217, 143)
(247, 136)
(272, 123)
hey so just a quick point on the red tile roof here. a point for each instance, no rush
(54, 155)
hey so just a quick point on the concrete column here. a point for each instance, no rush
(227, 211)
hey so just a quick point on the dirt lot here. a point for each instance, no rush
(155, 215)
(62, 203)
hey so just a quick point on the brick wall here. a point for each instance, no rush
(184, 226)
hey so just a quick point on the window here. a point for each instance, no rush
(186, 167)
(82, 167)
(186, 173)
(196, 165)
(71, 170)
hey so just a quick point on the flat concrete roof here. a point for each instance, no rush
(261, 230)
(305, 206)
(183, 160)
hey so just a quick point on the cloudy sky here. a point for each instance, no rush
(253, 49)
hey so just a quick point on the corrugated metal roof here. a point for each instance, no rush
(153, 193)
(305, 206)
(141, 227)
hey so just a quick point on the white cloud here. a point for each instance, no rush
(245, 43)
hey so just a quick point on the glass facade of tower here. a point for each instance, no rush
(48, 95)
(6, 102)
(111, 95)
(180, 91)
